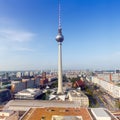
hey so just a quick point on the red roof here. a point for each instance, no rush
(80, 83)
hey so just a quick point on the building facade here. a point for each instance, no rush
(109, 87)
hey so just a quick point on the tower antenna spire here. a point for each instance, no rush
(59, 14)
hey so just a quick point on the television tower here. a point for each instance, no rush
(59, 39)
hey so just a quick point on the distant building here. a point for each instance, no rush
(71, 75)
(5, 95)
(110, 77)
(79, 97)
(43, 80)
(26, 73)
(79, 83)
(17, 86)
(28, 94)
(6, 75)
(4, 83)
(109, 87)
(117, 71)
(18, 74)
(31, 73)
(43, 75)
(9, 115)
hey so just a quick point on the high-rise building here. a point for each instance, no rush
(44, 80)
(18, 74)
(26, 73)
(59, 39)
(31, 73)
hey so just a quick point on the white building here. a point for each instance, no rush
(100, 114)
(114, 77)
(110, 88)
(71, 75)
(31, 93)
(18, 74)
(31, 73)
(26, 73)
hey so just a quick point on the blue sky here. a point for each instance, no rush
(28, 28)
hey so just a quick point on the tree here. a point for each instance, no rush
(65, 78)
(118, 104)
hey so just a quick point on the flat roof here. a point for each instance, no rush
(27, 104)
(48, 113)
(75, 93)
(55, 117)
(99, 112)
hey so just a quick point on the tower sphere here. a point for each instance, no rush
(59, 37)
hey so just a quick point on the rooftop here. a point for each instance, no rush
(30, 93)
(75, 93)
(99, 112)
(48, 113)
(24, 105)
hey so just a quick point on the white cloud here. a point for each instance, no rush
(10, 30)
(15, 35)
(24, 49)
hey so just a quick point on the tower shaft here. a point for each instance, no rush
(60, 90)
(59, 39)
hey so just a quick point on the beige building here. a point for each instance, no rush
(79, 98)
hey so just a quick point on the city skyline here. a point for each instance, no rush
(28, 29)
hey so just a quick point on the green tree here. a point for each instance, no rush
(65, 78)
(55, 84)
(118, 104)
